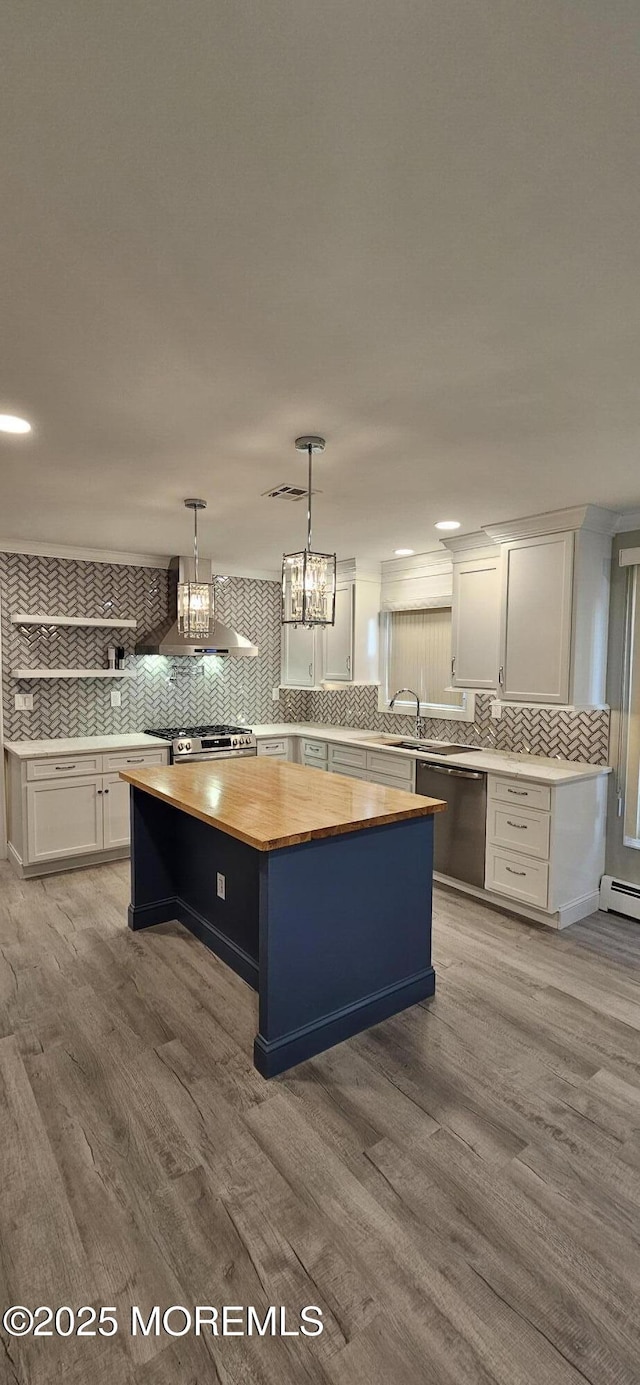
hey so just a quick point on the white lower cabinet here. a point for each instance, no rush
(63, 819)
(517, 876)
(115, 812)
(313, 753)
(545, 845)
(69, 806)
(277, 749)
(349, 771)
(376, 767)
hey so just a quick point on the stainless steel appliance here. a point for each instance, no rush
(459, 834)
(191, 743)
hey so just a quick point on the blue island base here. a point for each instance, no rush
(334, 934)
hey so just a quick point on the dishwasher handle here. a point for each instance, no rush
(454, 773)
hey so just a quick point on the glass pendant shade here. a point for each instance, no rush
(308, 578)
(196, 609)
(196, 599)
(308, 588)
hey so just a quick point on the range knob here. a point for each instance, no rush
(180, 745)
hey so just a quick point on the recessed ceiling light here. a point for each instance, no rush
(404, 552)
(9, 423)
(448, 524)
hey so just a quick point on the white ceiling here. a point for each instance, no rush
(411, 225)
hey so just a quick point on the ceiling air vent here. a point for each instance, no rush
(287, 492)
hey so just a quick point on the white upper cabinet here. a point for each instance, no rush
(530, 607)
(351, 645)
(475, 621)
(338, 650)
(301, 656)
(535, 644)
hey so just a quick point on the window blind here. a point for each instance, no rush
(420, 655)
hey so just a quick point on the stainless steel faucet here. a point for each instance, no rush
(413, 694)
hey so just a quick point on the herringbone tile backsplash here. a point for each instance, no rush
(170, 692)
(540, 731)
(164, 692)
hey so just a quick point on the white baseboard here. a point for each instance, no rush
(92, 858)
(562, 918)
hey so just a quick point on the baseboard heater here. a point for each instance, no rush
(620, 896)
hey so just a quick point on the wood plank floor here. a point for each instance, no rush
(458, 1189)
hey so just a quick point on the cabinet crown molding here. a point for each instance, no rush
(554, 522)
(476, 545)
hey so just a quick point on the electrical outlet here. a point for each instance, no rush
(24, 702)
(496, 710)
(116, 697)
(221, 885)
(275, 694)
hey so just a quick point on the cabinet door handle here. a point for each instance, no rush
(501, 675)
(519, 793)
(105, 790)
(139, 761)
(100, 791)
(521, 826)
(348, 663)
(515, 872)
(66, 766)
(311, 670)
(453, 665)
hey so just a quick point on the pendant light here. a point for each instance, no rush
(308, 578)
(196, 600)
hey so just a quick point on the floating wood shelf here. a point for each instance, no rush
(93, 622)
(72, 673)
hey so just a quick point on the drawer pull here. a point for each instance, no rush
(520, 793)
(521, 826)
(66, 766)
(138, 761)
(515, 872)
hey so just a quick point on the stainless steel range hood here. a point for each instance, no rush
(166, 638)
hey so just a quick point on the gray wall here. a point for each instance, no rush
(621, 860)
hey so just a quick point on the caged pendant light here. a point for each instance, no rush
(308, 578)
(196, 600)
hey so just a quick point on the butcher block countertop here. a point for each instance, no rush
(270, 804)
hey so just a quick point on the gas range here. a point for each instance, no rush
(189, 743)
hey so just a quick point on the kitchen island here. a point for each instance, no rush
(316, 889)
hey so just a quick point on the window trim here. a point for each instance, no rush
(442, 711)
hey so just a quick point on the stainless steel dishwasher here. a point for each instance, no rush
(459, 834)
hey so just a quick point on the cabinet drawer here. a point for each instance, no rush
(347, 755)
(395, 766)
(351, 771)
(314, 750)
(518, 791)
(279, 749)
(64, 767)
(390, 781)
(518, 829)
(520, 877)
(132, 759)
(312, 763)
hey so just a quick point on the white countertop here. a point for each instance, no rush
(517, 766)
(540, 768)
(77, 745)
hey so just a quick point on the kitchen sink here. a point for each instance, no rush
(433, 747)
